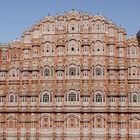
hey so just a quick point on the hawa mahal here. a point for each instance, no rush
(73, 76)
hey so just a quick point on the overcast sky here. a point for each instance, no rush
(18, 15)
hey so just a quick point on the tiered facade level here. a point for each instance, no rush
(71, 77)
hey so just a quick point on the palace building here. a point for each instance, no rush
(71, 77)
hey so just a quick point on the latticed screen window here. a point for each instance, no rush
(46, 98)
(98, 71)
(72, 71)
(135, 98)
(99, 98)
(46, 72)
(72, 97)
(11, 98)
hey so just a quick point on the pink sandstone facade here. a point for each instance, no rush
(71, 77)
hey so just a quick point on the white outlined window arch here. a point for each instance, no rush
(99, 97)
(72, 96)
(134, 97)
(12, 98)
(47, 71)
(73, 70)
(98, 71)
(46, 97)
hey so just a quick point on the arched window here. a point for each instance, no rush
(14, 54)
(135, 98)
(14, 73)
(11, 122)
(26, 54)
(72, 71)
(133, 72)
(132, 51)
(48, 48)
(72, 122)
(46, 122)
(73, 26)
(120, 52)
(12, 98)
(98, 71)
(135, 124)
(46, 72)
(98, 122)
(99, 97)
(72, 96)
(46, 98)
